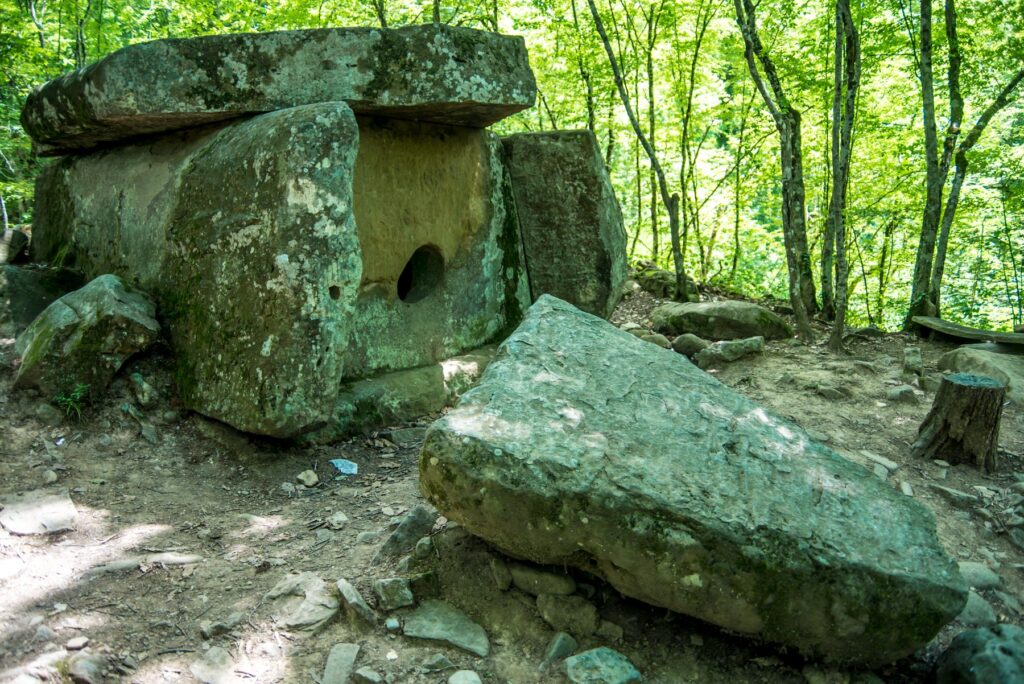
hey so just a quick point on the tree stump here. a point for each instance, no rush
(963, 424)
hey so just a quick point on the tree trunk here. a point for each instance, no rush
(963, 424)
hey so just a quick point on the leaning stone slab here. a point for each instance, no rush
(684, 494)
(84, 337)
(438, 621)
(721, 320)
(441, 74)
(571, 223)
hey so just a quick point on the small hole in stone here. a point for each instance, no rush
(421, 275)
(335, 292)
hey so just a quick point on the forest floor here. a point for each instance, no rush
(205, 490)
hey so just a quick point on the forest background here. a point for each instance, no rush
(695, 156)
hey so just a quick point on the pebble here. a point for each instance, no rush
(354, 603)
(337, 521)
(208, 629)
(86, 667)
(602, 665)
(906, 488)
(560, 647)
(49, 415)
(77, 643)
(340, 663)
(423, 549)
(44, 633)
(881, 472)
(830, 393)
(904, 394)
(436, 663)
(307, 478)
(49, 477)
(366, 675)
(880, 460)
(464, 677)
(393, 593)
(393, 624)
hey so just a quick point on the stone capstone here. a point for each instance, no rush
(721, 320)
(440, 74)
(571, 223)
(83, 338)
(684, 494)
(25, 292)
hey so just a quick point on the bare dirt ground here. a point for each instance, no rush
(147, 510)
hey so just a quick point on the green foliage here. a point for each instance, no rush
(74, 401)
(729, 176)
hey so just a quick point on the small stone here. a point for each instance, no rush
(439, 621)
(464, 677)
(404, 436)
(77, 643)
(561, 646)
(727, 351)
(689, 344)
(609, 631)
(393, 593)
(880, 460)
(148, 432)
(942, 464)
(144, 392)
(317, 606)
(87, 667)
(366, 675)
(103, 442)
(436, 663)
(880, 472)
(49, 415)
(931, 382)
(307, 478)
(658, 339)
(340, 663)
(979, 575)
(573, 614)
(535, 580)
(417, 523)
(393, 624)
(977, 612)
(600, 665)
(904, 394)
(355, 605)
(49, 477)
(500, 572)
(208, 629)
(336, 521)
(912, 361)
(423, 549)
(955, 496)
(906, 488)
(44, 633)
(214, 667)
(640, 332)
(368, 537)
(830, 393)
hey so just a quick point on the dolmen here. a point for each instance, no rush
(586, 447)
(310, 209)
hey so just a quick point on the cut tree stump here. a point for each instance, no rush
(963, 424)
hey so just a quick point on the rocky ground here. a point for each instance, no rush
(182, 527)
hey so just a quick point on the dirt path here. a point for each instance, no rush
(146, 510)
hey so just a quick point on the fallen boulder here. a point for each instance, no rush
(1006, 368)
(430, 72)
(83, 338)
(721, 320)
(571, 223)
(684, 494)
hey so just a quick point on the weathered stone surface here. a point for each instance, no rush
(727, 351)
(439, 621)
(303, 601)
(684, 494)
(573, 614)
(721, 320)
(25, 292)
(84, 337)
(600, 666)
(348, 263)
(1006, 368)
(980, 656)
(13, 246)
(341, 661)
(432, 73)
(689, 344)
(571, 223)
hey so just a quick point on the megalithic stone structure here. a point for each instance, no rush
(294, 237)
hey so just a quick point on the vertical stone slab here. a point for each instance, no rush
(442, 262)
(265, 263)
(571, 223)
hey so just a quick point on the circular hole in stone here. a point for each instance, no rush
(335, 292)
(421, 275)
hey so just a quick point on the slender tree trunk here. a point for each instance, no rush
(848, 52)
(437, 11)
(828, 240)
(652, 33)
(670, 201)
(381, 10)
(787, 122)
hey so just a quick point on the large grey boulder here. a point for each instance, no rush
(428, 72)
(721, 320)
(84, 337)
(980, 656)
(571, 223)
(684, 494)
(25, 292)
(1007, 368)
